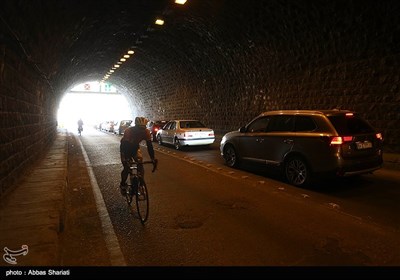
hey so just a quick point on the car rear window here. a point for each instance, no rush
(350, 125)
(191, 124)
(160, 123)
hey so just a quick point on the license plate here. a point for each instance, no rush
(200, 134)
(363, 145)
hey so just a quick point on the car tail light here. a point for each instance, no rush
(379, 136)
(339, 140)
(156, 129)
(211, 134)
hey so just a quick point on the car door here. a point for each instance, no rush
(278, 139)
(251, 143)
(170, 133)
(164, 132)
(309, 143)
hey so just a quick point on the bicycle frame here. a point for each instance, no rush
(137, 187)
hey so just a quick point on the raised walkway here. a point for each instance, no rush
(51, 216)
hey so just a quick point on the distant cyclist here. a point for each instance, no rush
(80, 126)
(129, 148)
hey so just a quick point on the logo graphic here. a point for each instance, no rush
(10, 254)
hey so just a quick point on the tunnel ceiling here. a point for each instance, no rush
(75, 41)
(213, 55)
(72, 41)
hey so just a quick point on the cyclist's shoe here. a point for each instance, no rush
(122, 189)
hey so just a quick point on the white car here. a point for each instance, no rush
(185, 133)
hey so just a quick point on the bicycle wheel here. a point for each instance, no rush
(142, 201)
(131, 189)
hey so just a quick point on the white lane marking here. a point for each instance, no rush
(116, 256)
(196, 162)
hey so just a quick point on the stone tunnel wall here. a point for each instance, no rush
(230, 62)
(27, 115)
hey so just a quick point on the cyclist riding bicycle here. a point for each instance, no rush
(129, 148)
(80, 126)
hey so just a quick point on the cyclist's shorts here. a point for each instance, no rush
(128, 149)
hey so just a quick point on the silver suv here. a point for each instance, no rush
(306, 143)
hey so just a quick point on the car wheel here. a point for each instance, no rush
(297, 171)
(230, 156)
(177, 144)
(159, 140)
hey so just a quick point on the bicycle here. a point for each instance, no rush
(137, 187)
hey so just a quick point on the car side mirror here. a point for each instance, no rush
(242, 129)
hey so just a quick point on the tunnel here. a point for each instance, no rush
(223, 62)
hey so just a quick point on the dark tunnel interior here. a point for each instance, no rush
(220, 61)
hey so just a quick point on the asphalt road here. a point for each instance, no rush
(204, 213)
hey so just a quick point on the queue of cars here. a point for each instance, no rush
(302, 144)
(178, 133)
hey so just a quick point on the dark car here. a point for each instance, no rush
(305, 143)
(121, 126)
(155, 126)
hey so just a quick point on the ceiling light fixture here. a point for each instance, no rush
(159, 21)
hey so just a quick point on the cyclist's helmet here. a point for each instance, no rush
(141, 121)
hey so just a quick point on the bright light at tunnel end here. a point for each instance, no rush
(94, 102)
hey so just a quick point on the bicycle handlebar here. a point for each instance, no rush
(155, 163)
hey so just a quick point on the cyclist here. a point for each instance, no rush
(80, 126)
(129, 148)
